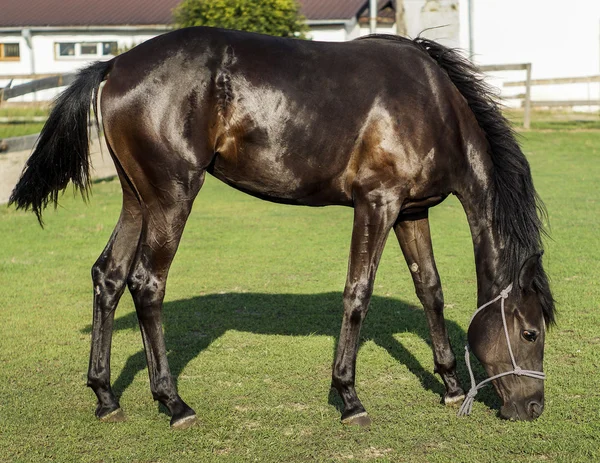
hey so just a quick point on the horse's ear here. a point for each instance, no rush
(529, 270)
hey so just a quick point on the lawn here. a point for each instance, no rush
(21, 115)
(557, 119)
(252, 313)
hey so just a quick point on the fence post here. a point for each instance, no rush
(527, 114)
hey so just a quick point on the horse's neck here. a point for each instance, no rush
(487, 247)
(488, 266)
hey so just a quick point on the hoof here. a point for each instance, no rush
(116, 416)
(454, 399)
(361, 419)
(184, 423)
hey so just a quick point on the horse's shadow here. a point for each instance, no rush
(192, 324)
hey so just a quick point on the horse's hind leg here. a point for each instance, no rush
(415, 240)
(371, 227)
(165, 213)
(109, 275)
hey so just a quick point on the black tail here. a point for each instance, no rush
(518, 212)
(62, 151)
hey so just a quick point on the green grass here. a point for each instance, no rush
(24, 109)
(252, 312)
(19, 128)
(556, 120)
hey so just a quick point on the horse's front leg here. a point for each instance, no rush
(415, 240)
(373, 219)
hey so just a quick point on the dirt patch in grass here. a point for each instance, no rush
(11, 166)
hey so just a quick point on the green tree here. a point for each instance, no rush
(273, 17)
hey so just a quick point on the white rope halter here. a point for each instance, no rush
(467, 405)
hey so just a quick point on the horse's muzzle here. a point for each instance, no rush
(524, 411)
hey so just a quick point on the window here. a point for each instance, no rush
(66, 49)
(109, 48)
(89, 49)
(10, 52)
(85, 49)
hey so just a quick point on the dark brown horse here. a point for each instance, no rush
(385, 125)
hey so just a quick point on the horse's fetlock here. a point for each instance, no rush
(445, 366)
(164, 391)
(341, 377)
(96, 381)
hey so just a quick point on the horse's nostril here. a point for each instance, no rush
(535, 409)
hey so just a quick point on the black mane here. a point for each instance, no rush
(518, 211)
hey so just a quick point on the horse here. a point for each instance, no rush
(386, 125)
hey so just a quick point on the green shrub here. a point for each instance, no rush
(274, 17)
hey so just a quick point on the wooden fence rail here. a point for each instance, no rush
(559, 81)
(28, 76)
(556, 81)
(527, 83)
(564, 103)
(36, 85)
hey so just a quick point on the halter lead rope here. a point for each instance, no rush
(467, 405)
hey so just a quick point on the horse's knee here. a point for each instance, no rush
(446, 363)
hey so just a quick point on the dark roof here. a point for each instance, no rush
(21, 13)
(343, 9)
(331, 9)
(16, 13)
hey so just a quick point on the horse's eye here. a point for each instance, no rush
(530, 335)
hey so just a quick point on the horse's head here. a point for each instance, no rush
(526, 320)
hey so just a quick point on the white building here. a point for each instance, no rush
(342, 20)
(55, 36)
(59, 36)
(40, 37)
(560, 39)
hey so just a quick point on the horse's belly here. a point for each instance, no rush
(280, 179)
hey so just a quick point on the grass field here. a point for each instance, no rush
(556, 120)
(252, 313)
(19, 128)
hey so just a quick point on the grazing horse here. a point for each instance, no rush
(386, 125)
